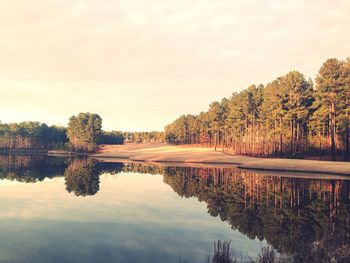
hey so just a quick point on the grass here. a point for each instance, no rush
(223, 254)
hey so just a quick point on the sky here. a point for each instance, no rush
(140, 64)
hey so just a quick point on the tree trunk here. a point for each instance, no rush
(297, 137)
(291, 136)
(333, 147)
(281, 138)
(215, 140)
(347, 135)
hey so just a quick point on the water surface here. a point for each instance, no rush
(78, 210)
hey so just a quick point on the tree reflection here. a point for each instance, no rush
(31, 168)
(292, 214)
(82, 177)
(305, 219)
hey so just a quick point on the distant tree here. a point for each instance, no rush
(112, 137)
(144, 137)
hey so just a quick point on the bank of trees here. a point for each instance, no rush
(143, 137)
(31, 135)
(111, 137)
(84, 133)
(289, 117)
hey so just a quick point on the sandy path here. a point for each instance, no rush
(155, 152)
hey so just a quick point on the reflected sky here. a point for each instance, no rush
(133, 218)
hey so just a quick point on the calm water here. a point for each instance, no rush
(59, 210)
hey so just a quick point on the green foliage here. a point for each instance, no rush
(112, 137)
(83, 132)
(143, 137)
(31, 135)
(332, 104)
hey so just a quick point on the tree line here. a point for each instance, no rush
(144, 137)
(31, 135)
(83, 134)
(288, 117)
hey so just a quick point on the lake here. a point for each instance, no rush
(55, 209)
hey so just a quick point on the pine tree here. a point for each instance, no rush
(83, 131)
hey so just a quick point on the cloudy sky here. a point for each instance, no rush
(141, 63)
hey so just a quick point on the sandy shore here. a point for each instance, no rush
(163, 153)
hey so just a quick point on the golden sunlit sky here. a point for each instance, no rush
(142, 63)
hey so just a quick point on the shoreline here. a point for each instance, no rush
(43, 152)
(163, 153)
(288, 174)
